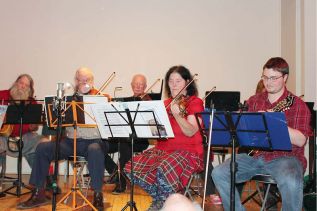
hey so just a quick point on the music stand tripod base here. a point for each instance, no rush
(21, 114)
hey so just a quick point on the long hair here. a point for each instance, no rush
(31, 94)
(186, 75)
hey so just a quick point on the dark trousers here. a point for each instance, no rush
(210, 187)
(124, 153)
(93, 151)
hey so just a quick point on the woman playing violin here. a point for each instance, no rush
(166, 168)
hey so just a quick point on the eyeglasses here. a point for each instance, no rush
(273, 78)
(83, 81)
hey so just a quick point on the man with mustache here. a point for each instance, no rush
(21, 90)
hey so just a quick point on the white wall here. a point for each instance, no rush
(225, 42)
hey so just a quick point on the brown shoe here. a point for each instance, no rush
(37, 199)
(98, 201)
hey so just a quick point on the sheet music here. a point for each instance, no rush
(3, 110)
(112, 118)
(104, 121)
(90, 100)
(84, 102)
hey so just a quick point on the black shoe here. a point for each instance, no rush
(113, 179)
(98, 201)
(49, 185)
(37, 199)
(119, 189)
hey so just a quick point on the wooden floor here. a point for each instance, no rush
(112, 202)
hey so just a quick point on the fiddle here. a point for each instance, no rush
(105, 84)
(182, 103)
(182, 100)
(94, 91)
(208, 93)
(146, 92)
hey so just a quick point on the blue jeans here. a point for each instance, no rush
(287, 172)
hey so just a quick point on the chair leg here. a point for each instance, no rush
(265, 197)
(187, 188)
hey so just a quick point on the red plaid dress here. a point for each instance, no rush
(177, 158)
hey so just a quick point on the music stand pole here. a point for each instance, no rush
(208, 139)
(132, 136)
(19, 182)
(58, 139)
(233, 164)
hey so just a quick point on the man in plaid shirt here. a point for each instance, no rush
(286, 168)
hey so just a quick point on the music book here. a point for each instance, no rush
(262, 130)
(149, 118)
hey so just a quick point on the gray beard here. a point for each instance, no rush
(18, 94)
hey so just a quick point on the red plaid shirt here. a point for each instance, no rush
(297, 117)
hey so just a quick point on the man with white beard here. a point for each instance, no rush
(22, 89)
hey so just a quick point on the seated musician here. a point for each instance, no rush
(89, 145)
(138, 85)
(166, 168)
(22, 89)
(286, 167)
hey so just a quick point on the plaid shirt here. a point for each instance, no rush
(297, 117)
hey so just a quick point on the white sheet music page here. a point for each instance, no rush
(110, 122)
(90, 100)
(149, 118)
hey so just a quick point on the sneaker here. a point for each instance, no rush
(215, 199)
(156, 206)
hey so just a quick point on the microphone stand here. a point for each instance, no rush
(58, 108)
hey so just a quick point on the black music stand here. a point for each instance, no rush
(157, 96)
(21, 114)
(223, 100)
(256, 130)
(130, 123)
(118, 171)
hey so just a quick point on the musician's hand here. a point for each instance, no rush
(175, 109)
(33, 127)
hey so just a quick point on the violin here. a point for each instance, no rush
(182, 100)
(149, 89)
(94, 91)
(6, 130)
(182, 103)
(208, 93)
(105, 84)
